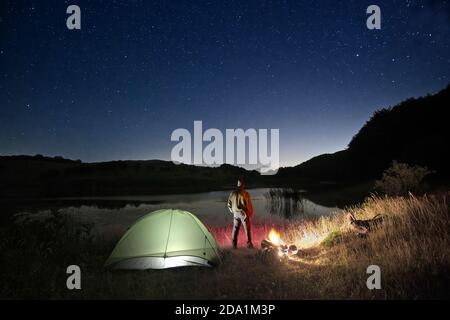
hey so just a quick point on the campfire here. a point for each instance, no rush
(273, 243)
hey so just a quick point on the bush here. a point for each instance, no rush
(401, 178)
(332, 239)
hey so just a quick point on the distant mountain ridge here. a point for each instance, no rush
(39, 176)
(415, 131)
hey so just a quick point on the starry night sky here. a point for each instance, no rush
(137, 70)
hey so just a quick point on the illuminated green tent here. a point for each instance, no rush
(164, 239)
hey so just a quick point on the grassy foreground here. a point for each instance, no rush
(411, 248)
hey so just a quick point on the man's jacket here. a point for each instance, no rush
(239, 202)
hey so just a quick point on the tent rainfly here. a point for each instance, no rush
(165, 239)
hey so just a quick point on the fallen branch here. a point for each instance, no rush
(364, 226)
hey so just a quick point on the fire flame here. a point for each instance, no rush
(274, 237)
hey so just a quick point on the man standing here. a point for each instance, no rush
(240, 205)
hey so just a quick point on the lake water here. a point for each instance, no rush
(209, 207)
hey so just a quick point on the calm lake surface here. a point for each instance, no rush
(210, 207)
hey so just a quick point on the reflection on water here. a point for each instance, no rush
(113, 215)
(287, 203)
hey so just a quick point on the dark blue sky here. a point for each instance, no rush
(137, 70)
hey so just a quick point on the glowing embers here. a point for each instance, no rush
(273, 243)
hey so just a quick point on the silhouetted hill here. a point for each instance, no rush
(24, 176)
(414, 131)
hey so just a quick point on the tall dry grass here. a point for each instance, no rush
(411, 247)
